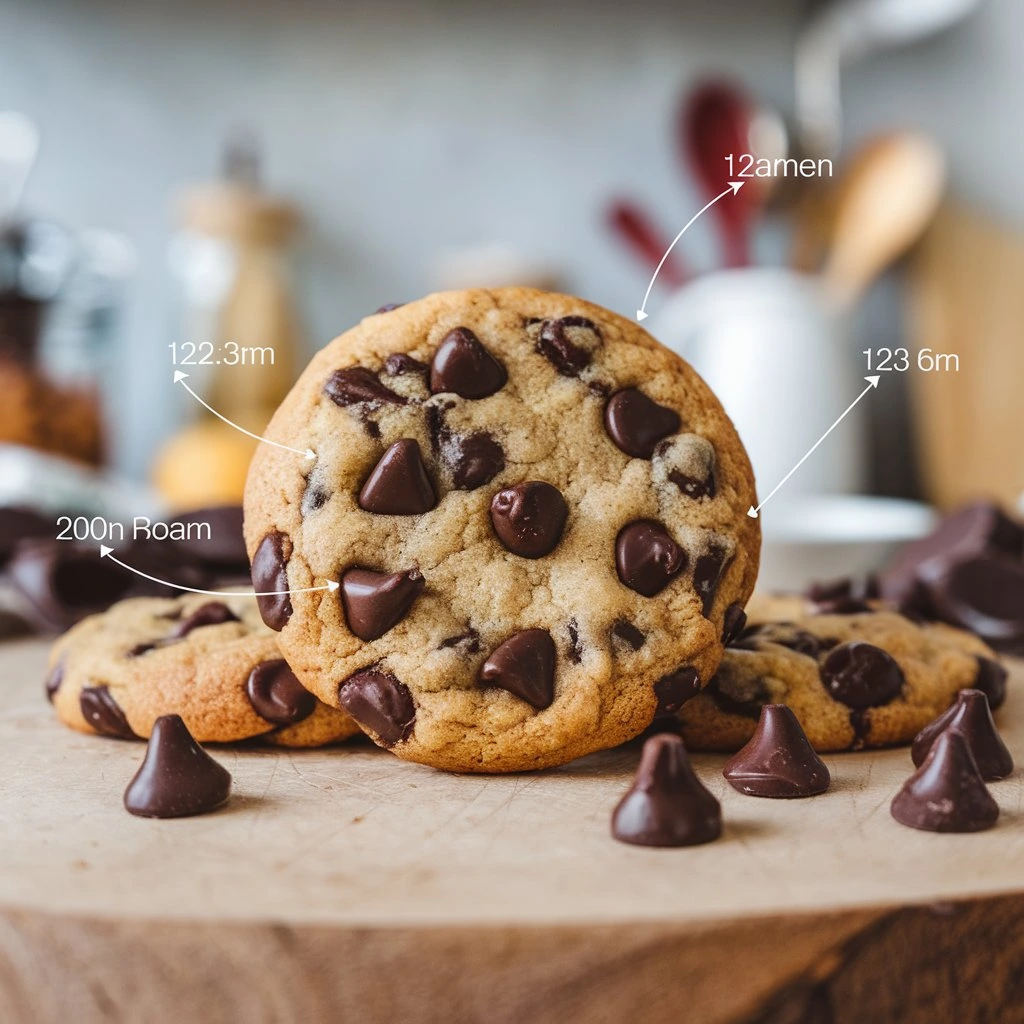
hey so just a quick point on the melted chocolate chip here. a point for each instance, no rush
(375, 602)
(575, 647)
(629, 634)
(436, 427)
(276, 695)
(647, 558)
(463, 366)
(947, 793)
(778, 761)
(555, 345)
(53, 681)
(860, 723)
(970, 714)
(475, 460)
(525, 666)
(707, 571)
(213, 613)
(861, 675)
(358, 384)
(636, 423)
(694, 487)
(140, 649)
(667, 805)
(737, 692)
(991, 680)
(675, 689)
(529, 518)
(177, 778)
(733, 623)
(103, 713)
(380, 703)
(399, 363)
(785, 634)
(399, 484)
(270, 580)
(470, 639)
(314, 497)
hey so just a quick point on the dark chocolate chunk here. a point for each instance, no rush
(525, 666)
(276, 695)
(399, 363)
(225, 546)
(463, 366)
(675, 689)
(575, 647)
(778, 760)
(667, 805)
(861, 675)
(555, 345)
(375, 602)
(389, 307)
(475, 460)
(733, 624)
(636, 423)
(970, 714)
(947, 793)
(991, 680)
(53, 681)
(270, 579)
(379, 702)
(647, 558)
(213, 613)
(707, 571)
(629, 634)
(529, 518)
(358, 384)
(177, 777)
(692, 486)
(470, 640)
(399, 484)
(104, 714)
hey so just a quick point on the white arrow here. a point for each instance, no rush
(754, 510)
(180, 378)
(734, 187)
(106, 552)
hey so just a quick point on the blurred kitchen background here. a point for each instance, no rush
(380, 150)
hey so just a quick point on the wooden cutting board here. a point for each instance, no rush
(348, 885)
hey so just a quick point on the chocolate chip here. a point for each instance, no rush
(525, 666)
(733, 623)
(842, 606)
(636, 423)
(707, 571)
(436, 427)
(463, 366)
(474, 460)
(647, 558)
(213, 613)
(276, 695)
(529, 518)
(358, 384)
(778, 761)
(785, 634)
(629, 634)
(177, 777)
(575, 647)
(991, 680)
(140, 649)
(970, 714)
(53, 681)
(104, 714)
(470, 640)
(675, 689)
(375, 602)
(314, 497)
(380, 703)
(737, 691)
(389, 307)
(830, 590)
(861, 675)
(270, 580)
(667, 805)
(687, 462)
(860, 723)
(693, 487)
(399, 484)
(554, 343)
(399, 363)
(947, 793)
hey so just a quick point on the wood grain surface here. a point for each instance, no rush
(347, 885)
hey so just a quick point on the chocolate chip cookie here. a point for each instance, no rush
(864, 679)
(210, 660)
(537, 518)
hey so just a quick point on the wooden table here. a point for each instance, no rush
(347, 885)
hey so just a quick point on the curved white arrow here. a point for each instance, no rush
(755, 509)
(734, 187)
(106, 552)
(180, 378)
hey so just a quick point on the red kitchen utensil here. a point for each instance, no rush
(646, 242)
(714, 122)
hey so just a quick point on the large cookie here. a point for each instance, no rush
(210, 660)
(865, 679)
(537, 515)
